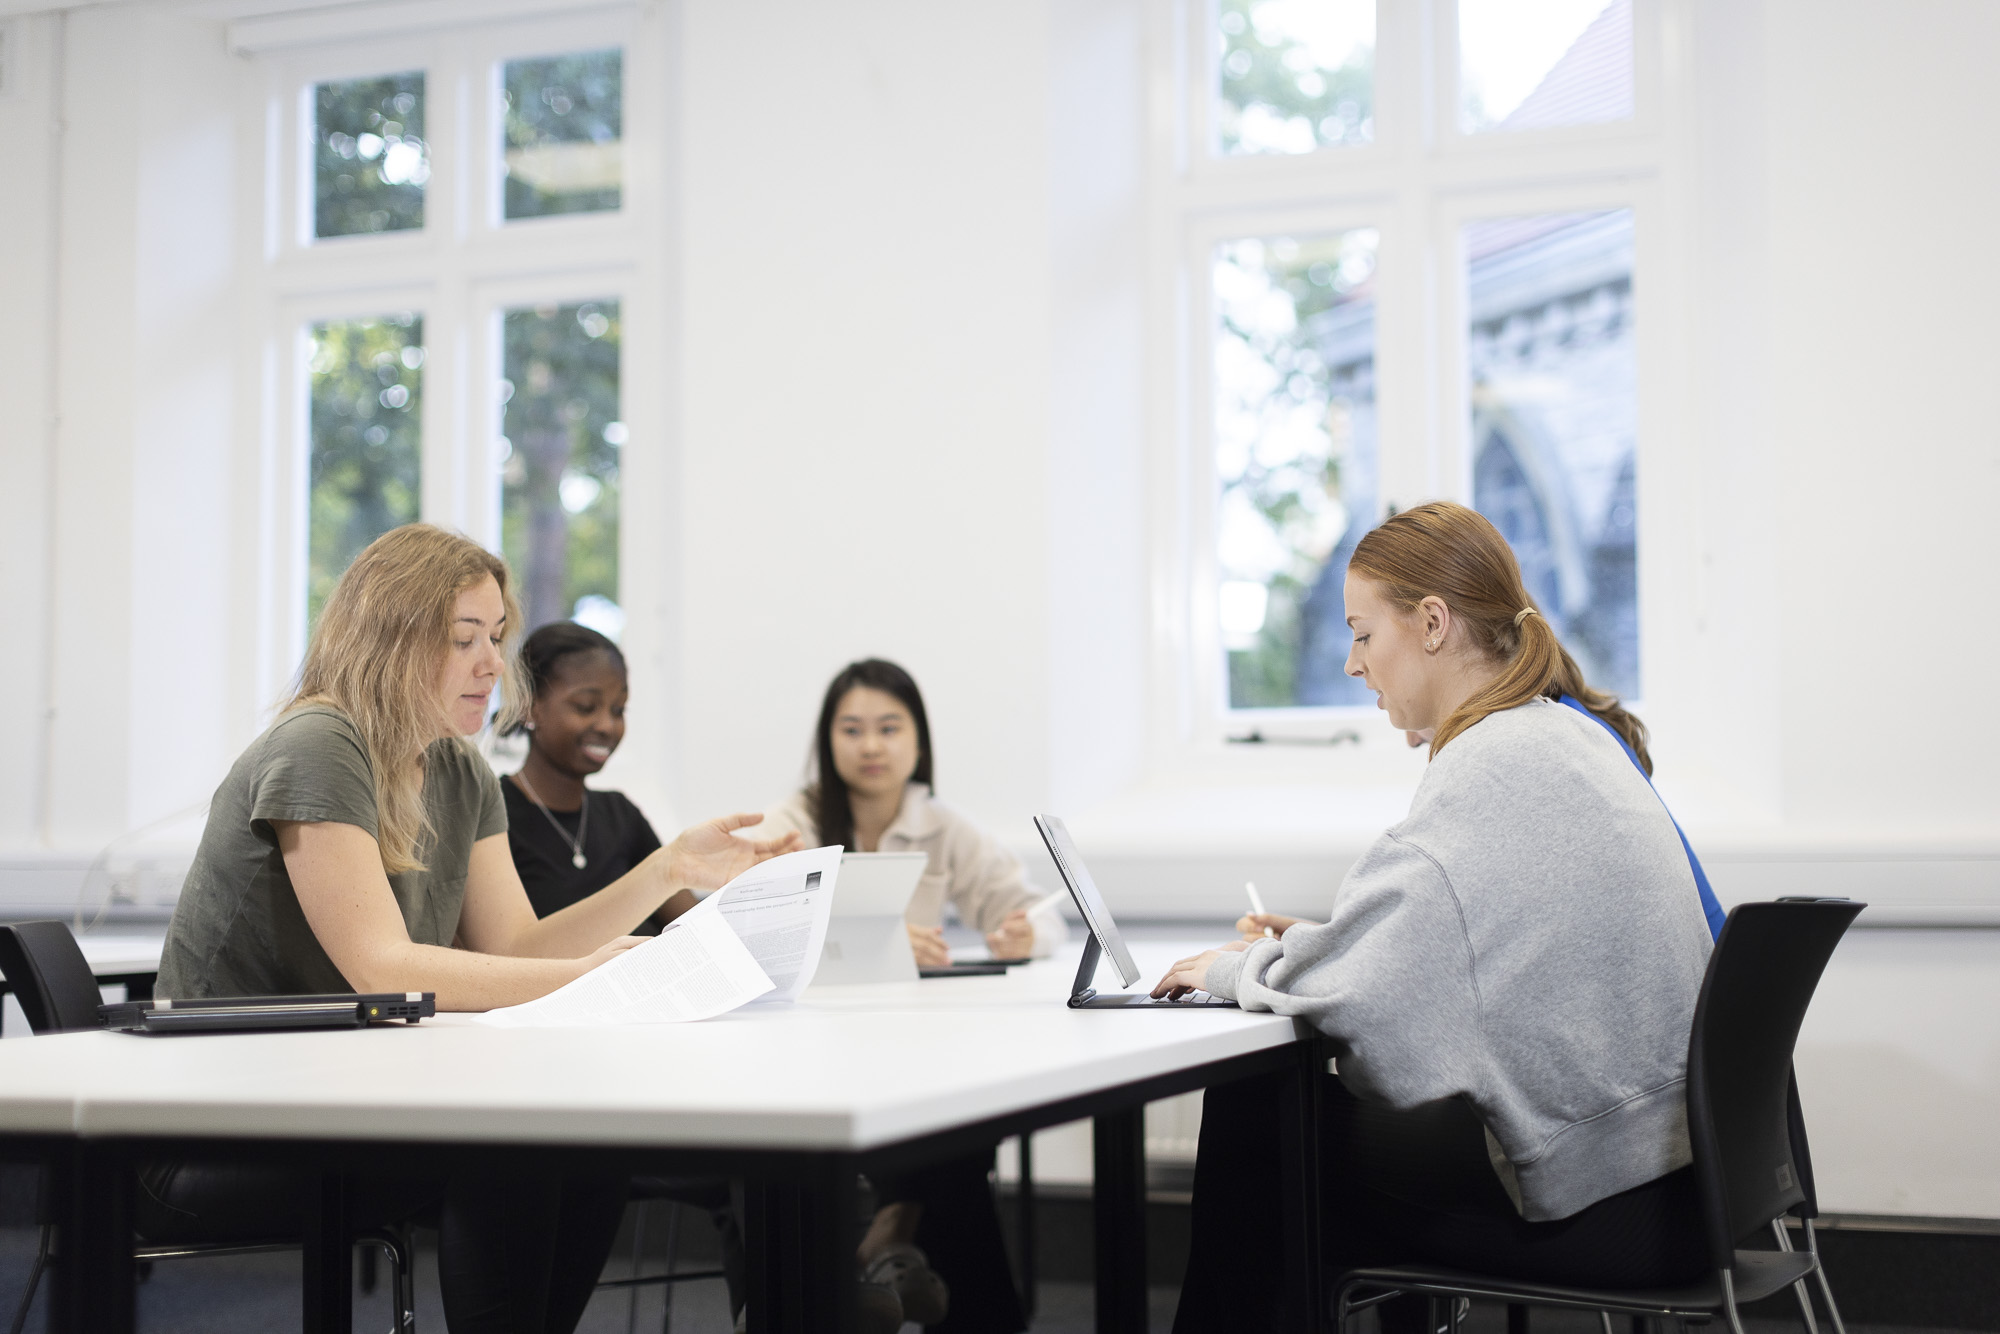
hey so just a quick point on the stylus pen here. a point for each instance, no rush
(1046, 900)
(1257, 905)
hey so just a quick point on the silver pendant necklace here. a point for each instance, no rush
(576, 859)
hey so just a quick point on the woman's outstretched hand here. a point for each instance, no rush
(1015, 939)
(1192, 974)
(1255, 926)
(927, 943)
(709, 855)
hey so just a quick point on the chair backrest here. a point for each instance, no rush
(1801, 1154)
(1741, 1102)
(50, 975)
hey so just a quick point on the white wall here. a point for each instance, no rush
(866, 413)
(27, 410)
(136, 361)
(1884, 280)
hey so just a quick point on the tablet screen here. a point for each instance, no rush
(1095, 915)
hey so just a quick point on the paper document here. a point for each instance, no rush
(758, 936)
(779, 910)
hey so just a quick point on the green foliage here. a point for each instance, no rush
(370, 161)
(365, 471)
(571, 106)
(1264, 69)
(562, 382)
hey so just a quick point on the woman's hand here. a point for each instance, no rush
(1015, 939)
(709, 856)
(608, 951)
(927, 943)
(1192, 974)
(1264, 925)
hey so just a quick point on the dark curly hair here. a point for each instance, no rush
(548, 646)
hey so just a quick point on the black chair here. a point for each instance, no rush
(1750, 1161)
(58, 994)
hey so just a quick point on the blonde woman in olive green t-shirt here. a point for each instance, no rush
(361, 844)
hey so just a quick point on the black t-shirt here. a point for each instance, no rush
(616, 840)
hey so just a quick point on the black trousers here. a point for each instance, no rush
(518, 1252)
(960, 1236)
(1404, 1186)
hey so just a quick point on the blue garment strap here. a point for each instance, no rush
(1709, 907)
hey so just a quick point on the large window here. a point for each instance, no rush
(1397, 304)
(452, 253)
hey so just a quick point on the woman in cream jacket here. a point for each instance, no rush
(872, 793)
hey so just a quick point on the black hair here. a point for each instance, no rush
(827, 796)
(543, 650)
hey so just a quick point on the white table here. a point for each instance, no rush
(795, 1099)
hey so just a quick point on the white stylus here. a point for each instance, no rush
(1046, 900)
(1257, 905)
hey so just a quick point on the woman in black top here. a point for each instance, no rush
(569, 841)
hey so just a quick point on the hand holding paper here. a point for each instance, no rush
(759, 936)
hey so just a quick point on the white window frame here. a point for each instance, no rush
(461, 270)
(1418, 182)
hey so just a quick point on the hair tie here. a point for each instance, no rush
(1522, 615)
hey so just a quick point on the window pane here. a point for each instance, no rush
(1294, 75)
(364, 474)
(1555, 421)
(1554, 62)
(1295, 456)
(565, 118)
(370, 161)
(559, 489)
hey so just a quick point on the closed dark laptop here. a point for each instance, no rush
(254, 1014)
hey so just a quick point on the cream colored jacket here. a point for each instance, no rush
(969, 869)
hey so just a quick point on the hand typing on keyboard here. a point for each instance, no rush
(1191, 975)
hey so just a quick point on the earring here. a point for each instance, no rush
(1431, 644)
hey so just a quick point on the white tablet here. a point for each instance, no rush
(865, 938)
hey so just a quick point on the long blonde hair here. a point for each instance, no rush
(1447, 551)
(378, 654)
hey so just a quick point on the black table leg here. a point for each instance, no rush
(828, 1204)
(94, 1272)
(798, 1241)
(1024, 1205)
(1306, 1298)
(763, 1256)
(329, 1259)
(1118, 1194)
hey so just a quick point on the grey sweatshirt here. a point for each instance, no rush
(1529, 939)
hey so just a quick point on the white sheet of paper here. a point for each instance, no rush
(696, 968)
(779, 909)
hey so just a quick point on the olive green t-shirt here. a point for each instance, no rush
(238, 929)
